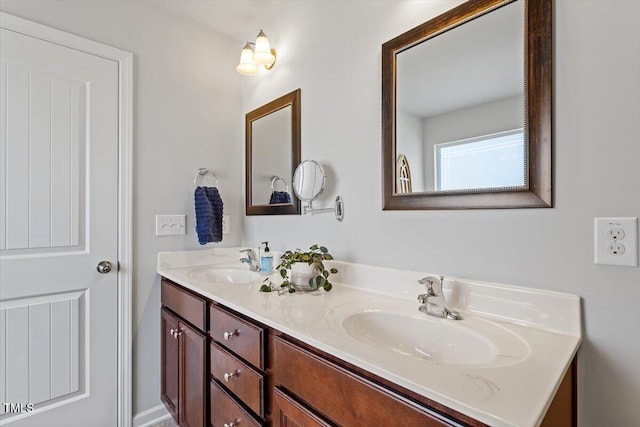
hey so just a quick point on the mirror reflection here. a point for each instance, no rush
(271, 158)
(272, 152)
(460, 108)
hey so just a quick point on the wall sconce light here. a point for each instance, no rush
(263, 55)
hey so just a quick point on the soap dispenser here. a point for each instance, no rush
(266, 260)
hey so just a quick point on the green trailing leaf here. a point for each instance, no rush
(313, 247)
(328, 257)
(325, 273)
(283, 272)
(323, 249)
(334, 270)
(265, 288)
(327, 286)
(291, 290)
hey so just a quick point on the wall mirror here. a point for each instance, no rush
(466, 109)
(272, 149)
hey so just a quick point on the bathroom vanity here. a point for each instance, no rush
(360, 356)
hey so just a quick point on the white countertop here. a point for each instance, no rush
(501, 394)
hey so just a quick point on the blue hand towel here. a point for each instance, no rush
(279, 197)
(208, 214)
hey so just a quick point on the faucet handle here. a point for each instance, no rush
(434, 285)
(250, 253)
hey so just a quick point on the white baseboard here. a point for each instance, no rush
(151, 416)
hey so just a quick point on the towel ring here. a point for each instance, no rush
(275, 179)
(202, 172)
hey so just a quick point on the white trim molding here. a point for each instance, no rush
(125, 196)
(151, 416)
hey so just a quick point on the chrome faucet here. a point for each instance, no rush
(251, 259)
(433, 301)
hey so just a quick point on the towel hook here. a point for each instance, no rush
(276, 178)
(202, 172)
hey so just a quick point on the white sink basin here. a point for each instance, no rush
(399, 328)
(231, 276)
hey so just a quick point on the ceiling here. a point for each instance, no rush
(238, 19)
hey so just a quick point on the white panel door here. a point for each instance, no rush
(58, 220)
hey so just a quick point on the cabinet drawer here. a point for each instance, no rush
(225, 411)
(238, 335)
(289, 412)
(239, 378)
(341, 395)
(185, 304)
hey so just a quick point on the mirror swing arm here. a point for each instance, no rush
(309, 183)
(338, 209)
(538, 112)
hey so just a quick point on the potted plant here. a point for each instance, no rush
(302, 271)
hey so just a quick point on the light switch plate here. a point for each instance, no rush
(616, 241)
(170, 225)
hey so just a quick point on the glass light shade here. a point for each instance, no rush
(263, 55)
(246, 66)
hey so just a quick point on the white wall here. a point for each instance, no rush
(409, 134)
(331, 50)
(187, 114)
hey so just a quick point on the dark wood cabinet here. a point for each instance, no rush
(184, 359)
(291, 413)
(221, 368)
(345, 397)
(193, 379)
(238, 364)
(170, 363)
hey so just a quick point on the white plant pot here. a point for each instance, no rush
(301, 272)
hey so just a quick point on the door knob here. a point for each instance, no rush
(104, 267)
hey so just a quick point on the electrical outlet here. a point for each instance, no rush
(615, 248)
(615, 233)
(170, 225)
(616, 241)
(226, 224)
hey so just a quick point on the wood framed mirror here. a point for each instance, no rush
(272, 152)
(467, 100)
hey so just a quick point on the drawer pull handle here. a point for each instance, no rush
(228, 335)
(230, 375)
(231, 424)
(176, 332)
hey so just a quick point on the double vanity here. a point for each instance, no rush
(362, 354)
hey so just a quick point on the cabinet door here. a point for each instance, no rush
(170, 369)
(290, 413)
(193, 376)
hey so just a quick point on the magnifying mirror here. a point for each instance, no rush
(308, 184)
(308, 180)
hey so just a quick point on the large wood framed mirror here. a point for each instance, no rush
(467, 105)
(272, 150)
